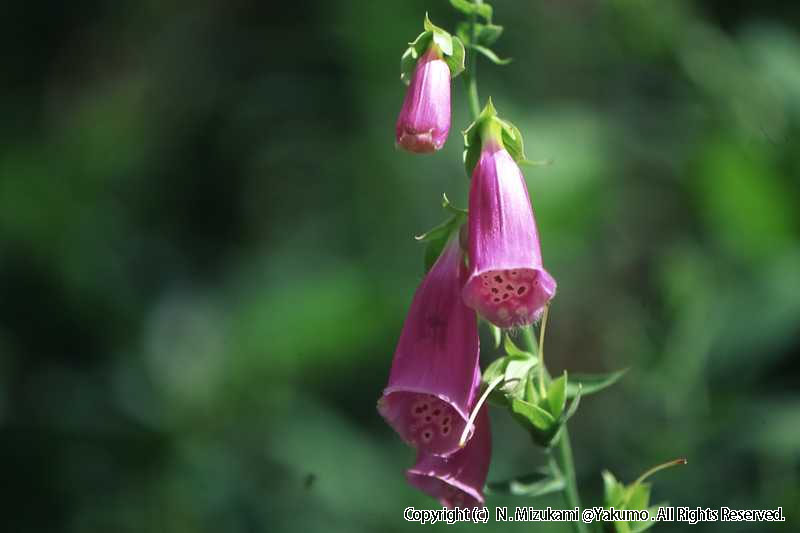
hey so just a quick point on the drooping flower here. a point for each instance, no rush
(458, 479)
(507, 283)
(424, 120)
(435, 372)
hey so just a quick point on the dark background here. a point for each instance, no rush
(206, 254)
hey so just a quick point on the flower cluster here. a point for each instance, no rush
(435, 376)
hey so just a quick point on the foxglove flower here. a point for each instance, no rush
(424, 120)
(458, 479)
(435, 372)
(507, 284)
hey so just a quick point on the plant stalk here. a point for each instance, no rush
(562, 452)
(471, 74)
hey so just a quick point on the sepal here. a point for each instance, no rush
(451, 48)
(436, 238)
(488, 124)
(542, 416)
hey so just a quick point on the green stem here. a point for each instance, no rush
(471, 74)
(565, 462)
(562, 453)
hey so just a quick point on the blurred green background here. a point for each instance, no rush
(206, 254)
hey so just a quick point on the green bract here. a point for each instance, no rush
(485, 34)
(542, 415)
(452, 50)
(532, 485)
(468, 8)
(489, 123)
(634, 497)
(437, 237)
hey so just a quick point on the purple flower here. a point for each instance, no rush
(435, 372)
(424, 120)
(457, 480)
(507, 283)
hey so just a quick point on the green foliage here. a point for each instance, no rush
(591, 383)
(485, 34)
(436, 238)
(470, 8)
(542, 415)
(451, 48)
(204, 260)
(488, 123)
(531, 485)
(489, 54)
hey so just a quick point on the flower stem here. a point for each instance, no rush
(566, 465)
(562, 453)
(471, 74)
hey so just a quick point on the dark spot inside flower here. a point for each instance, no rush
(428, 418)
(445, 420)
(498, 279)
(521, 290)
(437, 412)
(509, 288)
(497, 300)
(494, 291)
(445, 430)
(505, 296)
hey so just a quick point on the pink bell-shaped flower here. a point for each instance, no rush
(507, 283)
(435, 372)
(458, 479)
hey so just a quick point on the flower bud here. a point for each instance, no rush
(424, 120)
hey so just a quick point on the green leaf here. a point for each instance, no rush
(485, 34)
(490, 55)
(442, 39)
(530, 390)
(556, 395)
(512, 140)
(512, 369)
(451, 47)
(613, 490)
(447, 206)
(518, 367)
(591, 383)
(472, 137)
(488, 34)
(497, 334)
(456, 60)
(638, 527)
(573, 407)
(534, 414)
(512, 349)
(468, 8)
(637, 496)
(531, 485)
(437, 237)
(415, 50)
